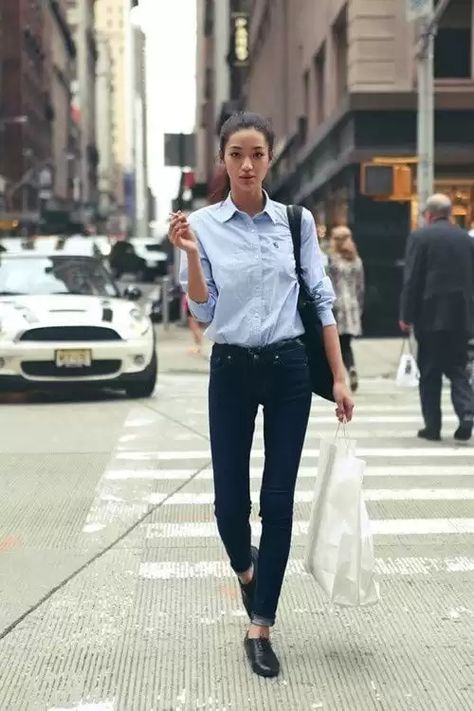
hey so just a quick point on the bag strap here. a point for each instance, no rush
(295, 213)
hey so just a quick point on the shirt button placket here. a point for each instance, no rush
(256, 319)
(259, 290)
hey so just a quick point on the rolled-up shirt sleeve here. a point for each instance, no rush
(203, 312)
(313, 272)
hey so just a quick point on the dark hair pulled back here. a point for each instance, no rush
(239, 121)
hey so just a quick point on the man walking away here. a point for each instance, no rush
(438, 301)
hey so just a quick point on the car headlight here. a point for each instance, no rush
(140, 323)
(136, 314)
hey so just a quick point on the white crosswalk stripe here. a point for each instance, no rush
(415, 490)
(399, 527)
(388, 471)
(306, 496)
(392, 452)
(220, 569)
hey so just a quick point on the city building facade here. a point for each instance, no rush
(60, 196)
(105, 119)
(139, 210)
(126, 45)
(26, 109)
(338, 79)
(222, 61)
(110, 20)
(80, 15)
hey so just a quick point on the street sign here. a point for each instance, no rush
(180, 149)
(419, 8)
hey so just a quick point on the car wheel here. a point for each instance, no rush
(146, 385)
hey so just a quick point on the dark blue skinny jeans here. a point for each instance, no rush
(241, 379)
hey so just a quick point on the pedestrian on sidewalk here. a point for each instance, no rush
(238, 270)
(347, 275)
(438, 302)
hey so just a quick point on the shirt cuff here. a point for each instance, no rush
(202, 312)
(327, 317)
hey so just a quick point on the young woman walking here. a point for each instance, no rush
(346, 271)
(238, 270)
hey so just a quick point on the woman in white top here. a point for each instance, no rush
(238, 270)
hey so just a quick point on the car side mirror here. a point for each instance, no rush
(132, 293)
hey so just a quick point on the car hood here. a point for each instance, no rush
(20, 313)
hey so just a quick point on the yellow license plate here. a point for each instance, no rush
(73, 358)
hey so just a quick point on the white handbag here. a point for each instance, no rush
(339, 551)
(408, 375)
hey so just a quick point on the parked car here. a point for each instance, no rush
(63, 321)
(144, 258)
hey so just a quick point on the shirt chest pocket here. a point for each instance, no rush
(277, 248)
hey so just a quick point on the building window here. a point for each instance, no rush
(340, 44)
(319, 73)
(453, 42)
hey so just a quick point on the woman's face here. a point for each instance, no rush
(339, 239)
(247, 159)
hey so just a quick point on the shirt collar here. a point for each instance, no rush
(227, 209)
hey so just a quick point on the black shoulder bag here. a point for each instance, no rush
(322, 380)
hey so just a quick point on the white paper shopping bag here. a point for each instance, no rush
(339, 551)
(408, 374)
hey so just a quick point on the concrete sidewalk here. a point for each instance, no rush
(375, 358)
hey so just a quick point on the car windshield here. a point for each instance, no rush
(42, 276)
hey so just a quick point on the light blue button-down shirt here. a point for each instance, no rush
(250, 273)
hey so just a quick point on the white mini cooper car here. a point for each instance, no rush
(63, 320)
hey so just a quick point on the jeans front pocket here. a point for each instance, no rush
(219, 361)
(295, 357)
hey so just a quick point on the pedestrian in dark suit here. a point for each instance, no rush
(438, 301)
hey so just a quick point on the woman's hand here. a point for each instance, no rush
(344, 402)
(181, 235)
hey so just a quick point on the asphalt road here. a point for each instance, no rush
(115, 594)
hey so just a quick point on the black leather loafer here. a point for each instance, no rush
(464, 431)
(430, 435)
(261, 656)
(247, 590)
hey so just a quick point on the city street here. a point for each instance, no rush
(115, 594)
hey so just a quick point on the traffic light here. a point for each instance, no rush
(386, 181)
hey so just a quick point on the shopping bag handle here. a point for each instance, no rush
(407, 340)
(342, 424)
(347, 442)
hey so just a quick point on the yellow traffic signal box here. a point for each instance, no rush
(386, 181)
